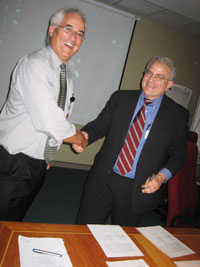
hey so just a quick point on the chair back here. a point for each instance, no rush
(192, 136)
(183, 199)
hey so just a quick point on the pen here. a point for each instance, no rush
(148, 126)
(147, 131)
(72, 99)
(151, 178)
(41, 251)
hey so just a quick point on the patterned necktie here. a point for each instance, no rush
(50, 151)
(128, 152)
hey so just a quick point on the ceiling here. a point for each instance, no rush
(183, 15)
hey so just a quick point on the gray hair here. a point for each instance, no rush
(58, 16)
(165, 61)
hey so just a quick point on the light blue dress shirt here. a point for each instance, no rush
(150, 113)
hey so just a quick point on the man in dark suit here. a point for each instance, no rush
(161, 151)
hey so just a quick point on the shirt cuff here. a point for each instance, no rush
(167, 173)
(71, 130)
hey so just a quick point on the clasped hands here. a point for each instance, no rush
(80, 146)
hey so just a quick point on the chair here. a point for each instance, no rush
(183, 199)
(192, 136)
(185, 221)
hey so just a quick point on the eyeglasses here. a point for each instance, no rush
(67, 29)
(157, 77)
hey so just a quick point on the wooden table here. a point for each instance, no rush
(83, 249)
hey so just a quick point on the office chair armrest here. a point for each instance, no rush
(184, 220)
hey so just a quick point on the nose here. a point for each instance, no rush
(151, 77)
(73, 36)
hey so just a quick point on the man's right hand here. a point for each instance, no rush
(82, 139)
(79, 138)
(79, 148)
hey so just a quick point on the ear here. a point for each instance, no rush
(169, 85)
(51, 30)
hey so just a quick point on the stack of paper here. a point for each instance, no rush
(114, 241)
(165, 241)
(43, 252)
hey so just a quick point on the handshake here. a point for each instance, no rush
(80, 142)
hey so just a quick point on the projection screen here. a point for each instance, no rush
(97, 67)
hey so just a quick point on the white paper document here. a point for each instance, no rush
(192, 263)
(127, 263)
(165, 241)
(43, 252)
(114, 241)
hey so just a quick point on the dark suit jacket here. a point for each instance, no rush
(164, 147)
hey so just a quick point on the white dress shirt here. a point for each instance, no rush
(31, 112)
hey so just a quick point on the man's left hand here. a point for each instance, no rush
(154, 185)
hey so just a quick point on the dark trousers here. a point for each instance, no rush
(21, 177)
(115, 199)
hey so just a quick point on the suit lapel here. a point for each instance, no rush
(161, 123)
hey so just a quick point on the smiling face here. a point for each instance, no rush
(153, 87)
(66, 44)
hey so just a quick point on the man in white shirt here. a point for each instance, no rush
(31, 115)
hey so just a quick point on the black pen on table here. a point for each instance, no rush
(41, 251)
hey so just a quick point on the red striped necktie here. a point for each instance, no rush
(129, 149)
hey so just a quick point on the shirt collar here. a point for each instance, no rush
(155, 102)
(56, 60)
